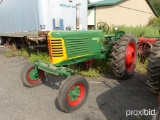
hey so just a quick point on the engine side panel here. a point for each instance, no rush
(74, 46)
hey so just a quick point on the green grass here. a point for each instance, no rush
(90, 73)
(24, 53)
(102, 67)
(137, 31)
(39, 56)
(9, 54)
(141, 31)
(15, 53)
(99, 67)
(140, 67)
(34, 56)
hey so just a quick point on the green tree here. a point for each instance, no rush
(89, 2)
(156, 5)
(155, 22)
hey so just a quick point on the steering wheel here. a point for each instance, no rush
(102, 26)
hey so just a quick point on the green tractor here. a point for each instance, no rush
(72, 47)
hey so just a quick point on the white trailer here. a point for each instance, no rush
(33, 19)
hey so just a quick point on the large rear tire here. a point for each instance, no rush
(153, 67)
(124, 56)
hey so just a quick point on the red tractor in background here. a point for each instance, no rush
(150, 48)
(145, 44)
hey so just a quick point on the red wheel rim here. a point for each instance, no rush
(130, 57)
(144, 49)
(79, 97)
(36, 80)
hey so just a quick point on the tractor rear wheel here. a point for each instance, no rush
(73, 93)
(153, 67)
(29, 77)
(124, 56)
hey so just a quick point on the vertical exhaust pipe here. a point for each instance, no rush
(77, 16)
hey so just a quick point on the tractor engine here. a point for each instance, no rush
(66, 48)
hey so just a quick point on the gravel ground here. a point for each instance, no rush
(108, 98)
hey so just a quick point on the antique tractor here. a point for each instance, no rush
(145, 44)
(73, 47)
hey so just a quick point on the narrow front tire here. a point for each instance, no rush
(73, 93)
(29, 77)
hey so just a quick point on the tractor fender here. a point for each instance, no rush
(148, 40)
(118, 34)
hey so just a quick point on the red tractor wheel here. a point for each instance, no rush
(153, 67)
(143, 50)
(29, 76)
(124, 56)
(73, 93)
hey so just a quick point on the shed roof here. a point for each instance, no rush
(113, 2)
(104, 3)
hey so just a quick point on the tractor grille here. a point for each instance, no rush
(77, 46)
(56, 48)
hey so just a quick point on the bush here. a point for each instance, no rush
(138, 31)
(155, 22)
(39, 56)
(156, 4)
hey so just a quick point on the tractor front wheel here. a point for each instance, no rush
(73, 93)
(124, 56)
(29, 76)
